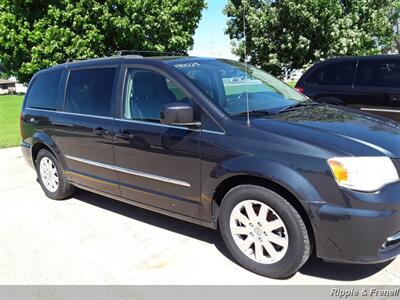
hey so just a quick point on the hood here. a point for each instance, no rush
(345, 130)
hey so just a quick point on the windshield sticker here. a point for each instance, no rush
(187, 65)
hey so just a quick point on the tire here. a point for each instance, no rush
(63, 189)
(288, 229)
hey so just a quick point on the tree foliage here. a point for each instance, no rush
(36, 34)
(396, 44)
(284, 35)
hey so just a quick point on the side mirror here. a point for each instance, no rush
(178, 114)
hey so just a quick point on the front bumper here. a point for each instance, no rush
(357, 231)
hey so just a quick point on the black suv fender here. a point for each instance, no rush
(247, 168)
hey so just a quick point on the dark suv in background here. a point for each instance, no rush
(369, 83)
(223, 145)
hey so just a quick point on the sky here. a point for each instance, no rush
(209, 38)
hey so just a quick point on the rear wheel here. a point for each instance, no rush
(263, 232)
(52, 177)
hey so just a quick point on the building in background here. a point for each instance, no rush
(12, 86)
(7, 87)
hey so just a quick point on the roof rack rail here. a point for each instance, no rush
(150, 53)
(69, 60)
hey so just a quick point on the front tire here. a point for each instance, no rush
(263, 231)
(52, 177)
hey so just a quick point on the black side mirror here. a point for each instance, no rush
(178, 114)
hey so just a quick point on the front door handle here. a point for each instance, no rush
(101, 131)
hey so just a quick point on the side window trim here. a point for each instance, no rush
(64, 93)
(172, 126)
(355, 73)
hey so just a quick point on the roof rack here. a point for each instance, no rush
(73, 60)
(70, 60)
(150, 53)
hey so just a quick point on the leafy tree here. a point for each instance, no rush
(36, 34)
(1, 70)
(396, 18)
(284, 35)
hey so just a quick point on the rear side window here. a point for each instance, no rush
(378, 73)
(337, 73)
(43, 91)
(89, 91)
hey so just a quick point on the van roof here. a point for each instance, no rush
(365, 57)
(125, 58)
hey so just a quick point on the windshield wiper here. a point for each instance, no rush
(297, 105)
(255, 113)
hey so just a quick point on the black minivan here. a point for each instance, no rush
(221, 144)
(369, 83)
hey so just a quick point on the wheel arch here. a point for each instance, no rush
(229, 183)
(42, 141)
(37, 147)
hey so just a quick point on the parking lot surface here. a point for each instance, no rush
(90, 239)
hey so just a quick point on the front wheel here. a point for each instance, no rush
(263, 231)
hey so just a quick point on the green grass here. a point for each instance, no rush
(10, 108)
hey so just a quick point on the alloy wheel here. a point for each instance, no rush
(49, 174)
(259, 232)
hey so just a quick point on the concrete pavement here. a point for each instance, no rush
(90, 239)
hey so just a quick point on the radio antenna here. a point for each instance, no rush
(246, 66)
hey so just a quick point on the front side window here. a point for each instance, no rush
(89, 91)
(146, 92)
(43, 92)
(378, 73)
(230, 84)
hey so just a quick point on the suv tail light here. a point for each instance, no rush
(299, 89)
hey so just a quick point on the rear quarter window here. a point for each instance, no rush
(43, 90)
(334, 73)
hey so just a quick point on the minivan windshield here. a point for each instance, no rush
(229, 84)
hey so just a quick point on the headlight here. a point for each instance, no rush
(367, 174)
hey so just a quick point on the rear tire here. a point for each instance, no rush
(263, 231)
(52, 177)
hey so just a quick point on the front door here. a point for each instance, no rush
(156, 164)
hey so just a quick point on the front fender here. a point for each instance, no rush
(277, 172)
(290, 179)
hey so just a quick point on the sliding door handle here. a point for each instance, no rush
(101, 131)
(62, 124)
(125, 135)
